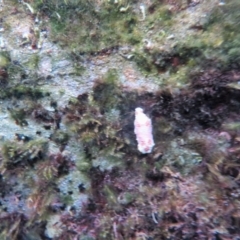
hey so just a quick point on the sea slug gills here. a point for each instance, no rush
(143, 131)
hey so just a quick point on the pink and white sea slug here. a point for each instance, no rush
(143, 131)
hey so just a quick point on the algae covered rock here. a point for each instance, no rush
(18, 153)
(72, 73)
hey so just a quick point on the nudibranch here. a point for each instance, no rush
(143, 131)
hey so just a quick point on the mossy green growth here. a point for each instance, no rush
(218, 41)
(90, 26)
(108, 158)
(107, 94)
(159, 16)
(60, 137)
(145, 62)
(190, 49)
(224, 22)
(83, 163)
(19, 115)
(47, 171)
(181, 158)
(79, 69)
(111, 196)
(5, 59)
(88, 128)
(180, 77)
(33, 62)
(118, 27)
(19, 153)
(23, 91)
(66, 199)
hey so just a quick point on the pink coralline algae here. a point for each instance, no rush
(143, 131)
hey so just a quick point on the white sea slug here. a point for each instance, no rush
(143, 131)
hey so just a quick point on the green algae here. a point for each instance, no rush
(83, 163)
(86, 27)
(107, 94)
(19, 116)
(101, 121)
(23, 92)
(108, 158)
(98, 124)
(4, 59)
(223, 23)
(159, 17)
(17, 153)
(33, 62)
(60, 137)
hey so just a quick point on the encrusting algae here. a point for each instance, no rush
(119, 120)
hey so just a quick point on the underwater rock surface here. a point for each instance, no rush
(72, 73)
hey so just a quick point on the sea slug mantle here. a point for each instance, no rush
(143, 131)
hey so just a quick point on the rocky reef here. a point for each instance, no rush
(72, 73)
